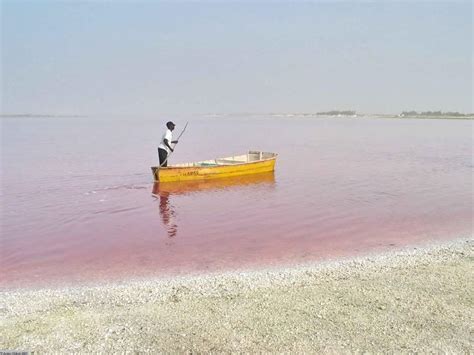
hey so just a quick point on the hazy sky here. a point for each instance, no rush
(147, 57)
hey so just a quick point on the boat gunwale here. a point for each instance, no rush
(215, 166)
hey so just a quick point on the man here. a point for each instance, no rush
(165, 145)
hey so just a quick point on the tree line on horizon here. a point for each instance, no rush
(404, 113)
(435, 113)
(336, 112)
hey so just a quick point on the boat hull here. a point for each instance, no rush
(205, 185)
(176, 173)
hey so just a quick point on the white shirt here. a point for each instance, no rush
(169, 137)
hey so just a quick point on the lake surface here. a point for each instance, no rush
(79, 204)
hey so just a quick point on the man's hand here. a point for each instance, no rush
(174, 142)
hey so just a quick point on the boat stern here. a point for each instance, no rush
(155, 170)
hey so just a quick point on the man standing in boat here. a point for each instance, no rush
(164, 149)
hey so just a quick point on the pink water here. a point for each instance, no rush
(79, 204)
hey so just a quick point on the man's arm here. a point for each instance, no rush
(168, 145)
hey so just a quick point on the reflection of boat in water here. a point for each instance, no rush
(163, 191)
(187, 187)
(251, 163)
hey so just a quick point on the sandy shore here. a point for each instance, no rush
(412, 300)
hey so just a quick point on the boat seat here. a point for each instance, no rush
(228, 161)
(206, 164)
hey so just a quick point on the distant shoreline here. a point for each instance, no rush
(361, 116)
(39, 116)
(276, 115)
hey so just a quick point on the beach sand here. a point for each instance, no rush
(418, 299)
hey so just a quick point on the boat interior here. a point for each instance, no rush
(250, 157)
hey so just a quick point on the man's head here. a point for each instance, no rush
(170, 125)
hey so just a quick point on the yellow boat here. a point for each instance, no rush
(251, 163)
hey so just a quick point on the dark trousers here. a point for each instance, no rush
(163, 154)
